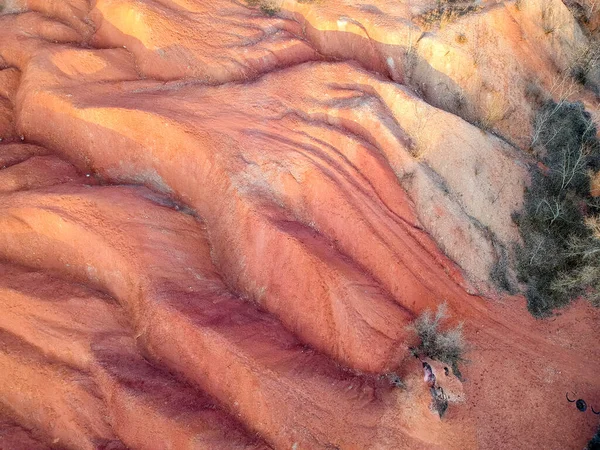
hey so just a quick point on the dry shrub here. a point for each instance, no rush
(560, 255)
(495, 110)
(499, 273)
(461, 38)
(418, 148)
(447, 346)
(268, 7)
(549, 19)
(444, 13)
(586, 280)
(585, 65)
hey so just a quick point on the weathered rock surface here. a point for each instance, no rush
(217, 225)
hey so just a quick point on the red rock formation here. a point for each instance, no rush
(216, 233)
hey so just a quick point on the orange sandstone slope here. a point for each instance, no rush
(218, 224)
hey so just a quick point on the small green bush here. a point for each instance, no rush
(446, 346)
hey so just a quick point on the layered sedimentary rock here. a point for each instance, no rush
(218, 221)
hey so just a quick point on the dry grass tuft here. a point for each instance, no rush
(447, 346)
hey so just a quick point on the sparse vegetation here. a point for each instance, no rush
(499, 273)
(591, 9)
(479, 35)
(549, 19)
(559, 258)
(585, 66)
(446, 11)
(583, 12)
(269, 10)
(268, 7)
(495, 110)
(461, 38)
(410, 59)
(447, 346)
(586, 280)
(418, 148)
